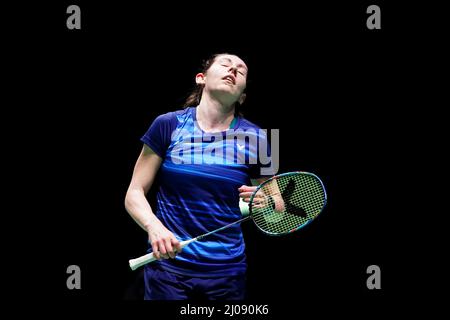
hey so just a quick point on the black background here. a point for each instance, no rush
(336, 91)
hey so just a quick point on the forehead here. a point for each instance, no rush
(231, 58)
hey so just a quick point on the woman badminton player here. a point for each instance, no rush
(199, 188)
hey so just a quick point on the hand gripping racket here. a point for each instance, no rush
(280, 205)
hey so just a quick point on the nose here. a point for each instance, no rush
(233, 70)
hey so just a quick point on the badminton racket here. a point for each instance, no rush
(280, 205)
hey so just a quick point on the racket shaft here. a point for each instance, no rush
(149, 257)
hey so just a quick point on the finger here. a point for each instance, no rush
(263, 197)
(246, 189)
(155, 249)
(177, 245)
(162, 248)
(169, 249)
(245, 194)
(257, 201)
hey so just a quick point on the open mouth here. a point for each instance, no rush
(229, 79)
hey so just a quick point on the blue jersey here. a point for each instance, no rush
(198, 189)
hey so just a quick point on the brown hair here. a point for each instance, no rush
(194, 98)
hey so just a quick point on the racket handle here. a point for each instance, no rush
(149, 257)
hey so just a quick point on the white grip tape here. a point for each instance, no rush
(244, 207)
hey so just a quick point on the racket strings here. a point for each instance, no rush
(303, 198)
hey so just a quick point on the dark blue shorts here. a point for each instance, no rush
(164, 285)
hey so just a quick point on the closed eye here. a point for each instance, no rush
(240, 71)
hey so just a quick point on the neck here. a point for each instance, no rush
(212, 115)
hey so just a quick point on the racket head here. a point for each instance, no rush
(303, 199)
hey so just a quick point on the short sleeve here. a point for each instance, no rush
(158, 136)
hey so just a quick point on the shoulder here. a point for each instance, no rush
(172, 118)
(172, 115)
(247, 124)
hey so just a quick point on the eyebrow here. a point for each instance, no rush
(238, 65)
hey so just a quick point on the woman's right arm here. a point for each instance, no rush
(164, 243)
